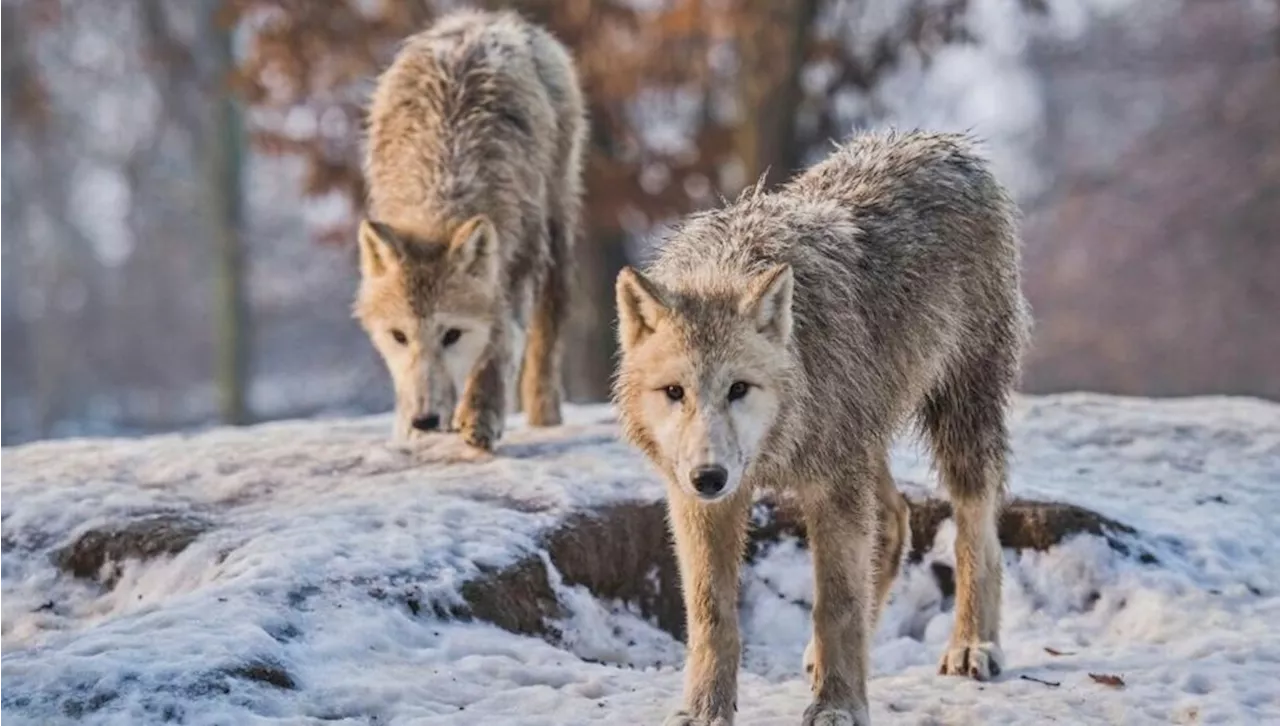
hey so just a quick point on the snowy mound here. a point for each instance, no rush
(311, 572)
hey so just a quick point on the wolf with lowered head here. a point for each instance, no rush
(473, 165)
(780, 343)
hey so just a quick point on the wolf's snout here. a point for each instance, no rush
(430, 422)
(709, 480)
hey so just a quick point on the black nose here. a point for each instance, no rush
(709, 480)
(430, 422)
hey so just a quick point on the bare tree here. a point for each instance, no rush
(773, 45)
(224, 152)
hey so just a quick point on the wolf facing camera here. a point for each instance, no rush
(779, 343)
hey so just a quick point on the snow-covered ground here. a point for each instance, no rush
(309, 518)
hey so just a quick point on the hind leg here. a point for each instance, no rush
(895, 529)
(540, 385)
(965, 420)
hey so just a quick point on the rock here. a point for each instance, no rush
(624, 552)
(265, 672)
(1025, 524)
(1033, 525)
(98, 553)
(518, 598)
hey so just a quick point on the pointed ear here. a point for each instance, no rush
(380, 248)
(640, 306)
(474, 248)
(768, 302)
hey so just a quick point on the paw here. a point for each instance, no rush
(480, 429)
(980, 661)
(684, 718)
(480, 436)
(823, 715)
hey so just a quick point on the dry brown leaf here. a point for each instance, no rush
(1054, 651)
(1107, 679)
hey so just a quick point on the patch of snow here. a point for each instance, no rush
(331, 551)
(612, 632)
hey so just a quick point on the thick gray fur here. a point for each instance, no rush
(479, 117)
(906, 308)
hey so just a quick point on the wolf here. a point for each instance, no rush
(473, 166)
(779, 343)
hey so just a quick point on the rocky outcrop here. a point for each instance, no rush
(624, 553)
(99, 553)
(619, 553)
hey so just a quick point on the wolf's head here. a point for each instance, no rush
(704, 375)
(428, 305)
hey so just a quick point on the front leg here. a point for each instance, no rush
(894, 532)
(840, 517)
(482, 409)
(709, 545)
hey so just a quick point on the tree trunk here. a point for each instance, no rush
(591, 344)
(224, 162)
(771, 48)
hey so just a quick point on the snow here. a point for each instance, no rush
(311, 518)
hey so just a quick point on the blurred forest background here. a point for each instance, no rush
(181, 180)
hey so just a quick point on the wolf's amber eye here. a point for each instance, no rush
(399, 337)
(450, 337)
(738, 390)
(674, 393)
